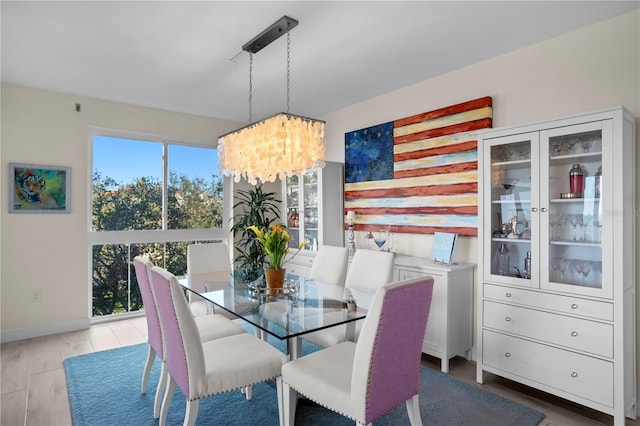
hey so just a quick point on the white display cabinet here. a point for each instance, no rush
(314, 211)
(562, 194)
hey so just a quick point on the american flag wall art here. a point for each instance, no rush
(418, 174)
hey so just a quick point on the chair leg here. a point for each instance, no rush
(290, 397)
(191, 413)
(247, 393)
(151, 356)
(162, 385)
(166, 400)
(280, 402)
(413, 409)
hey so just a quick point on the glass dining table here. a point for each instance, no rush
(301, 307)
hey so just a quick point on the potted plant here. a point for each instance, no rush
(259, 209)
(274, 242)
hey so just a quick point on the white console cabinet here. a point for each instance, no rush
(449, 329)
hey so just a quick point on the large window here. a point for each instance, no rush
(150, 196)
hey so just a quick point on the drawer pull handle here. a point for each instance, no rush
(507, 354)
(574, 306)
(508, 294)
(507, 319)
(534, 209)
(574, 374)
(574, 334)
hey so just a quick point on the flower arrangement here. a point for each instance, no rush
(275, 244)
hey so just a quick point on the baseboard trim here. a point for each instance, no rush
(43, 330)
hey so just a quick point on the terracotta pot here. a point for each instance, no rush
(275, 280)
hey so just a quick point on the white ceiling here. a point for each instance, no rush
(187, 56)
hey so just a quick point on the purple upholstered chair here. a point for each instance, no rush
(210, 327)
(203, 369)
(365, 380)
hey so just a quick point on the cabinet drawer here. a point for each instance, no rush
(555, 302)
(580, 375)
(573, 333)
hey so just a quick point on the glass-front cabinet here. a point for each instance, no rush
(302, 209)
(313, 207)
(546, 208)
(556, 258)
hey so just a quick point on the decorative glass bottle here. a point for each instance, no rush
(502, 260)
(576, 180)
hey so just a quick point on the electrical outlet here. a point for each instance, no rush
(36, 297)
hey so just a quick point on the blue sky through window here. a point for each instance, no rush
(126, 160)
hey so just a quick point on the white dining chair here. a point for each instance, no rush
(203, 258)
(203, 369)
(209, 328)
(369, 270)
(330, 265)
(365, 380)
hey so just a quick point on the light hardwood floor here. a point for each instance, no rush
(34, 390)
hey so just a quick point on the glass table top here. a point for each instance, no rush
(303, 306)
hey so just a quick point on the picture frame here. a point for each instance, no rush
(444, 247)
(39, 189)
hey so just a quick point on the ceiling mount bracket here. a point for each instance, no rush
(271, 34)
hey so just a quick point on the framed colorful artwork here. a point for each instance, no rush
(39, 189)
(418, 174)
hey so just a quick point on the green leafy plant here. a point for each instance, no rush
(260, 209)
(275, 244)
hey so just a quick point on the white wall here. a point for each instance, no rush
(48, 252)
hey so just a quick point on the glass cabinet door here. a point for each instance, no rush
(292, 192)
(572, 253)
(513, 227)
(302, 209)
(310, 190)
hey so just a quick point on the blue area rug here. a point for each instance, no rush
(104, 389)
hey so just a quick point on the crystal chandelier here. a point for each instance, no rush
(278, 146)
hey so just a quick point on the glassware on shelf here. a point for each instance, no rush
(576, 221)
(556, 146)
(558, 265)
(502, 260)
(555, 223)
(571, 142)
(583, 268)
(586, 141)
(598, 182)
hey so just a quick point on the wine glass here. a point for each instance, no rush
(562, 266)
(556, 146)
(382, 237)
(555, 268)
(576, 221)
(571, 142)
(586, 141)
(554, 223)
(583, 268)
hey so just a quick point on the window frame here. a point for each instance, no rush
(149, 236)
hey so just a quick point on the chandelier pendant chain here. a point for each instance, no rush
(276, 147)
(288, 71)
(250, 87)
